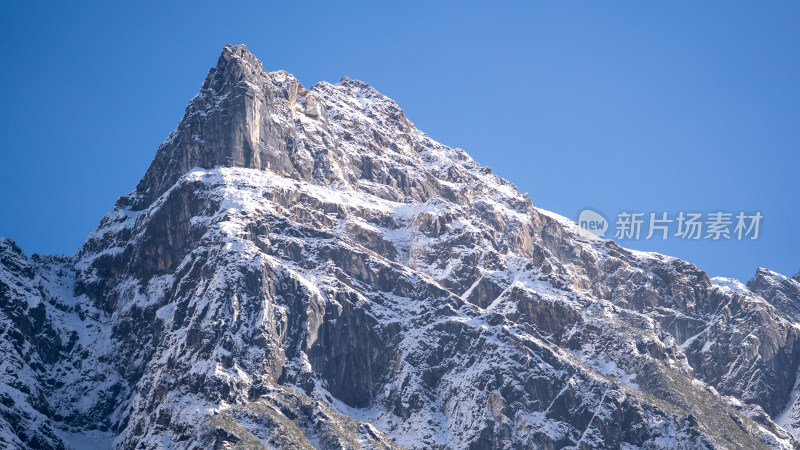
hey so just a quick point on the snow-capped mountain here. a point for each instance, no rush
(304, 268)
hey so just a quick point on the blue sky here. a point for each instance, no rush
(616, 106)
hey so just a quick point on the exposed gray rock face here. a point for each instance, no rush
(304, 268)
(229, 123)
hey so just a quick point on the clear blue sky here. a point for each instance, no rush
(644, 106)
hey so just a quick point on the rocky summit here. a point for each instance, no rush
(304, 268)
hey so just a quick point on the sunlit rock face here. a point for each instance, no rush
(304, 268)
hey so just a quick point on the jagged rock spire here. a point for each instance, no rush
(245, 117)
(239, 118)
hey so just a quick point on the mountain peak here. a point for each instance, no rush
(237, 63)
(8, 244)
(245, 117)
(303, 266)
(239, 118)
(231, 51)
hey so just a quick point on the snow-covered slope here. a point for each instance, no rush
(304, 268)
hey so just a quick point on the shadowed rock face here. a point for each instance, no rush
(304, 268)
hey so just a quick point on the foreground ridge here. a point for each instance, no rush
(304, 268)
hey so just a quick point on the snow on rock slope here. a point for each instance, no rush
(304, 268)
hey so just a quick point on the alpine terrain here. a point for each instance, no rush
(303, 268)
